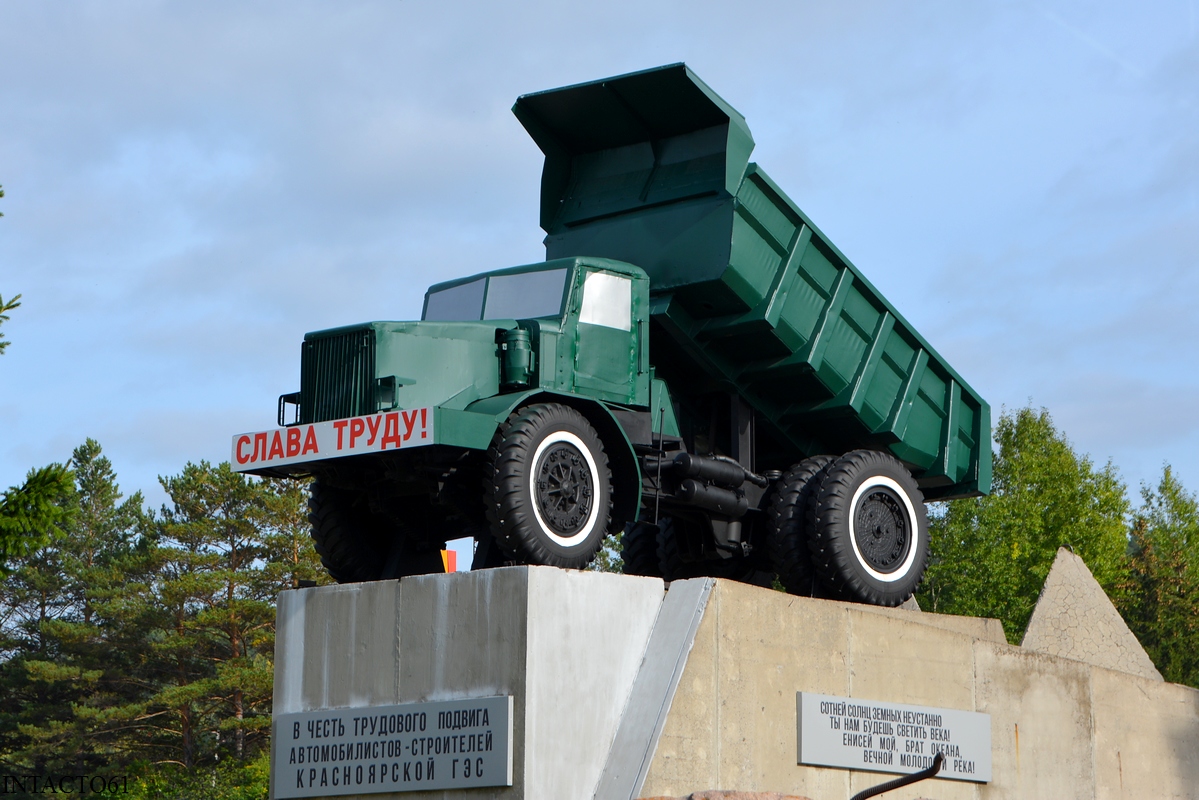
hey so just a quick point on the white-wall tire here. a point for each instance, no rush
(870, 529)
(549, 487)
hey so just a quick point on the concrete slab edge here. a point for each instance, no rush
(653, 689)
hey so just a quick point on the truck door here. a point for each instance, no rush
(607, 347)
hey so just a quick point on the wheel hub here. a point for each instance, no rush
(564, 489)
(881, 530)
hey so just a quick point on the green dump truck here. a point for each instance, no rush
(695, 365)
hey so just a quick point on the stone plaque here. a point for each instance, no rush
(451, 744)
(891, 737)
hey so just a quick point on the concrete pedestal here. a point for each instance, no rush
(621, 689)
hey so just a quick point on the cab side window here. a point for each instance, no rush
(607, 301)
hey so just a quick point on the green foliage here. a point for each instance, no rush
(6, 306)
(31, 513)
(224, 548)
(73, 661)
(1161, 597)
(608, 558)
(990, 556)
(287, 537)
(228, 780)
(141, 644)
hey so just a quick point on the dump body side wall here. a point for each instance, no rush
(797, 330)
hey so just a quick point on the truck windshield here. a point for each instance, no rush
(521, 296)
(461, 302)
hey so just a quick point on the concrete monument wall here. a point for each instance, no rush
(565, 645)
(1060, 728)
(624, 690)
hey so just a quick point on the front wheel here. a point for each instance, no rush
(549, 487)
(359, 542)
(869, 529)
(348, 537)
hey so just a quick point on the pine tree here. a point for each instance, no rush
(137, 642)
(1161, 601)
(291, 556)
(6, 306)
(103, 571)
(607, 558)
(30, 514)
(73, 664)
(31, 517)
(228, 544)
(32, 598)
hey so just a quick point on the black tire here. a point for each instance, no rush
(870, 529)
(670, 555)
(357, 542)
(788, 530)
(345, 534)
(548, 487)
(675, 568)
(639, 550)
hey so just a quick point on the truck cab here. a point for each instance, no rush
(571, 325)
(406, 418)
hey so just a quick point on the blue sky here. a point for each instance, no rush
(191, 187)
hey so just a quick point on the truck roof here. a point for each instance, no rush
(610, 264)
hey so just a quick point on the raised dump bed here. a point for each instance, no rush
(653, 168)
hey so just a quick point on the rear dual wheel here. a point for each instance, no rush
(788, 529)
(863, 518)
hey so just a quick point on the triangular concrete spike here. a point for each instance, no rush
(1075, 619)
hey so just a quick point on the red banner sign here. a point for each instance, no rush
(340, 437)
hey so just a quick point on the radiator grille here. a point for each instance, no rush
(337, 376)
